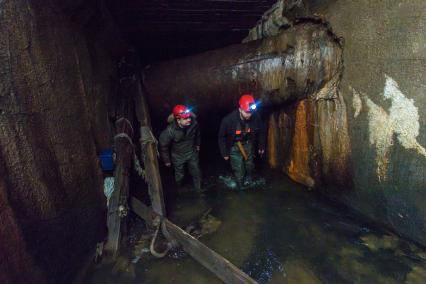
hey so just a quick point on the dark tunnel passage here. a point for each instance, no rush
(86, 88)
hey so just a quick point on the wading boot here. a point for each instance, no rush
(248, 181)
(240, 185)
(198, 189)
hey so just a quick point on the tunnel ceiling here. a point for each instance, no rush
(162, 30)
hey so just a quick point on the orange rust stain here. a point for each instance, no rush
(272, 142)
(298, 168)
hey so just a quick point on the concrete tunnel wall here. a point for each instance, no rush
(383, 87)
(377, 120)
(58, 93)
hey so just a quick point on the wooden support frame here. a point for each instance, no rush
(149, 153)
(213, 261)
(118, 203)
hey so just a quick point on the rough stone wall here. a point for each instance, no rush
(384, 88)
(56, 79)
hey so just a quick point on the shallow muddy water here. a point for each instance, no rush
(278, 232)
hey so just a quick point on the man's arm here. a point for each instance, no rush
(165, 141)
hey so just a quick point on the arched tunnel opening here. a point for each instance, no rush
(86, 90)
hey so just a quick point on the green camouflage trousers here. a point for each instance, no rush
(191, 159)
(240, 167)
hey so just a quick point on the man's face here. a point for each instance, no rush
(245, 115)
(184, 122)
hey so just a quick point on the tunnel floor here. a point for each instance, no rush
(277, 233)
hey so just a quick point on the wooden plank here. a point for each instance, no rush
(142, 210)
(152, 172)
(119, 198)
(149, 153)
(211, 260)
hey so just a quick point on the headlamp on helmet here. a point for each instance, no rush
(247, 103)
(181, 111)
(253, 106)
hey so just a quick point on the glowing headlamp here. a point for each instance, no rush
(185, 113)
(252, 107)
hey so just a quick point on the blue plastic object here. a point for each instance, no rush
(107, 160)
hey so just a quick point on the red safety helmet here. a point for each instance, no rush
(181, 111)
(247, 103)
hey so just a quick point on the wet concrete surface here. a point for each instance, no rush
(278, 232)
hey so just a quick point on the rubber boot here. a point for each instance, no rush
(248, 181)
(197, 186)
(240, 185)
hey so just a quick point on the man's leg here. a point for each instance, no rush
(249, 163)
(237, 165)
(194, 170)
(178, 166)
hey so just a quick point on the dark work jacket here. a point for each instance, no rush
(182, 141)
(232, 124)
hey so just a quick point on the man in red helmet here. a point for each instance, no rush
(241, 131)
(180, 144)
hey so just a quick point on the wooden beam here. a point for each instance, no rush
(117, 208)
(211, 260)
(149, 152)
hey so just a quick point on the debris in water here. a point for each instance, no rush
(207, 224)
(375, 243)
(297, 271)
(125, 268)
(416, 275)
(141, 247)
(230, 183)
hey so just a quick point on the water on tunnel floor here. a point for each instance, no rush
(278, 232)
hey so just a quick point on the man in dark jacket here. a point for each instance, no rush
(180, 144)
(240, 133)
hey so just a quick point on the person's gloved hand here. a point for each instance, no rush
(226, 158)
(197, 148)
(261, 152)
(168, 164)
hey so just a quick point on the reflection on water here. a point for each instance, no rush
(278, 233)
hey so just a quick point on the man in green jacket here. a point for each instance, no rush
(180, 145)
(241, 133)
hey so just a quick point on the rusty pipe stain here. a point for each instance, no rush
(303, 61)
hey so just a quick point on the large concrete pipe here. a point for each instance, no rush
(302, 61)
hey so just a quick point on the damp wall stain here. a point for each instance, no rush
(314, 147)
(383, 85)
(400, 121)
